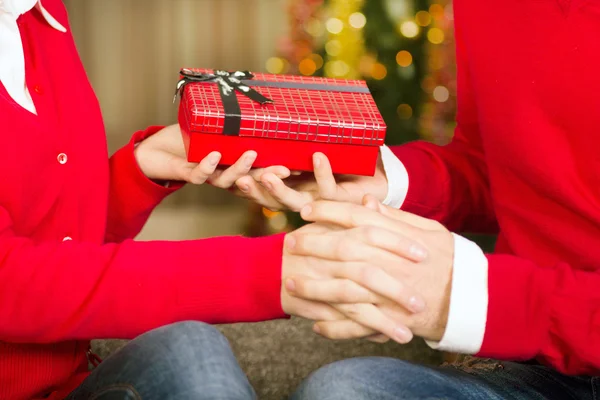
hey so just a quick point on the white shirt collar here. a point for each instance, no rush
(15, 8)
(12, 67)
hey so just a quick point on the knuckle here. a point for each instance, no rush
(327, 331)
(198, 179)
(345, 249)
(366, 273)
(346, 292)
(353, 218)
(369, 233)
(352, 310)
(220, 184)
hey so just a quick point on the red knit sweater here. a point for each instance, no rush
(58, 182)
(525, 161)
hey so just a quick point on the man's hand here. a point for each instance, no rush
(162, 157)
(386, 229)
(348, 270)
(272, 192)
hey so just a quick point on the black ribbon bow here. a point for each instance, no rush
(228, 83)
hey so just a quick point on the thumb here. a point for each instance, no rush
(373, 203)
(326, 183)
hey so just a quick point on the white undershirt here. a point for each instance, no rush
(12, 59)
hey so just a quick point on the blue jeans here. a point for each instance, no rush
(391, 379)
(188, 360)
(192, 360)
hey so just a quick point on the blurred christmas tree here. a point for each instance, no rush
(404, 49)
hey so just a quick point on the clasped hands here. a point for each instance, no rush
(383, 273)
(359, 270)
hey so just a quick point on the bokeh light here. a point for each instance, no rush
(275, 65)
(404, 58)
(336, 68)
(379, 71)
(307, 67)
(318, 60)
(333, 47)
(423, 18)
(357, 20)
(409, 29)
(436, 11)
(335, 26)
(441, 94)
(315, 27)
(404, 111)
(435, 35)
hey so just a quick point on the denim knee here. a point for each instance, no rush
(198, 357)
(179, 361)
(187, 341)
(370, 378)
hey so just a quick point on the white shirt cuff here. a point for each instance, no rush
(397, 178)
(468, 300)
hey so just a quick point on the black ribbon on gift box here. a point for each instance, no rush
(240, 81)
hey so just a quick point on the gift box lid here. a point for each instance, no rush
(280, 107)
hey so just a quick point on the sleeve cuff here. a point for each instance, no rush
(125, 160)
(468, 300)
(397, 178)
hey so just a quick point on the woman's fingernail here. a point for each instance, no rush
(316, 329)
(244, 188)
(290, 285)
(316, 161)
(306, 210)
(268, 185)
(402, 334)
(214, 159)
(416, 304)
(250, 160)
(418, 252)
(290, 242)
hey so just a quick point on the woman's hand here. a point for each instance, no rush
(269, 190)
(162, 157)
(348, 270)
(418, 264)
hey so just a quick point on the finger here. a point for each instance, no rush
(331, 291)
(359, 244)
(374, 204)
(254, 191)
(324, 176)
(372, 317)
(290, 198)
(315, 311)
(334, 247)
(279, 171)
(200, 173)
(356, 283)
(391, 241)
(381, 339)
(351, 215)
(342, 330)
(241, 167)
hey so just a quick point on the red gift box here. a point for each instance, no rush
(284, 118)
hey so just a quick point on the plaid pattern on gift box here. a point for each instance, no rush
(284, 118)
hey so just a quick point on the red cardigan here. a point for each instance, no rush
(525, 161)
(58, 183)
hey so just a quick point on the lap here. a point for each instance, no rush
(392, 379)
(185, 360)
